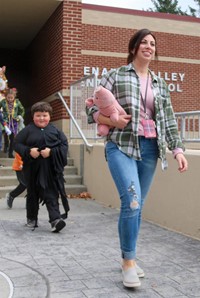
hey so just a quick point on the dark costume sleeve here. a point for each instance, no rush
(59, 153)
(59, 158)
(20, 144)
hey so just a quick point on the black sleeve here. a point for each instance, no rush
(59, 153)
(20, 144)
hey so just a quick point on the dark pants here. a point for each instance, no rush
(51, 200)
(21, 186)
(8, 144)
(11, 141)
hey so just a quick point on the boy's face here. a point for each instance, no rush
(41, 119)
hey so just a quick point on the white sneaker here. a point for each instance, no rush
(130, 278)
(140, 271)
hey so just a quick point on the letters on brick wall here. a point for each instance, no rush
(173, 79)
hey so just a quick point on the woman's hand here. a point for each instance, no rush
(122, 121)
(182, 162)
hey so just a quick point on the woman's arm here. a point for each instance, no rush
(172, 136)
(121, 123)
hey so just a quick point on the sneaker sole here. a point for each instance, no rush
(140, 274)
(31, 226)
(132, 285)
(59, 226)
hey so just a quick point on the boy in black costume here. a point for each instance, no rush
(43, 149)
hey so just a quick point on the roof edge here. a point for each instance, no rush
(159, 15)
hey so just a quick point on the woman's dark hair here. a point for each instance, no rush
(135, 41)
(41, 106)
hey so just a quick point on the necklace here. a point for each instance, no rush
(144, 100)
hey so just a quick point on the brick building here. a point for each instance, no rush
(76, 39)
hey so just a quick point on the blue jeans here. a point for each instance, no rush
(133, 179)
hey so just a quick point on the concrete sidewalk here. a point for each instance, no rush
(83, 260)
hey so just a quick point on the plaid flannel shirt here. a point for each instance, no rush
(124, 84)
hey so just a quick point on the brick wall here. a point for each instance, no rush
(72, 33)
(114, 39)
(174, 49)
(55, 55)
(45, 58)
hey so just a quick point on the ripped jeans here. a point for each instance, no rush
(133, 179)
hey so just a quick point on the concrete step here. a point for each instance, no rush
(69, 188)
(8, 171)
(9, 161)
(12, 180)
(75, 189)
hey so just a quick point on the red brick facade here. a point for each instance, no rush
(55, 55)
(46, 60)
(185, 93)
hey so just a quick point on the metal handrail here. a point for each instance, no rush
(88, 146)
(189, 124)
(191, 113)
